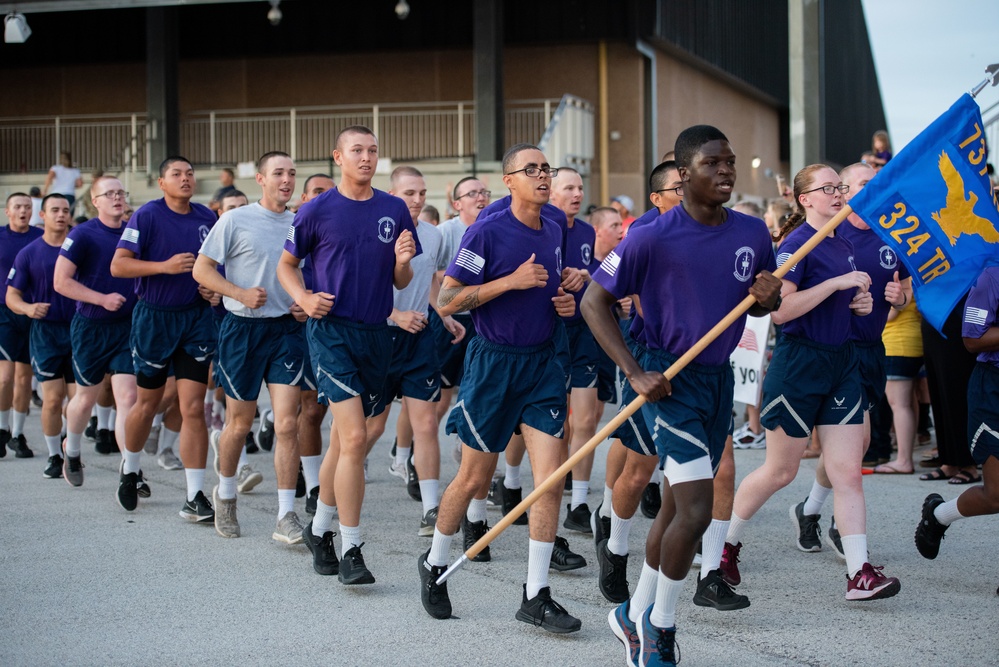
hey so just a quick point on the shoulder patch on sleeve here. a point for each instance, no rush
(130, 235)
(610, 263)
(469, 261)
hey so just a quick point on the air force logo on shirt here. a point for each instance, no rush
(203, 232)
(386, 230)
(558, 260)
(887, 257)
(744, 257)
(586, 252)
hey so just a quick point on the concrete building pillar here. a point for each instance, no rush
(161, 84)
(805, 85)
(487, 37)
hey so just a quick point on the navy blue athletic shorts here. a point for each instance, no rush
(100, 347)
(983, 412)
(14, 333)
(414, 372)
(451, 356)
(350, 359)
(583, 354)
(159, 333)
(255, 350)
(51, 351)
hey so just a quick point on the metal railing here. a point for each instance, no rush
(119, 142)
(568, 140)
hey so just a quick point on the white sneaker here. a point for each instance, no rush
(399, 470)
(247, 479)
(749, 440)
(169, 461)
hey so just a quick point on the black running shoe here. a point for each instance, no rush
(91, 431)
(712, 591)
(353, 571)
(807, 528)
(578, 519)
(198, 510)
(434, 597)
(495, 497)
(251, 444)
(54, 468)
(312, 500)
(413, 480)
(265, 437)
(613, 580)
(511, 498)
(600, 525)
(392, 451)
(652, 500)
(324, 560)
(105, 443)
(567, 488)
(428, 523)
(128, 496)
(563, 558)
(19, 446)
(473, 532)
(543, 611)
(4, 440)
(300, 489)
(36, 400)
(930, 531)
(141, 487)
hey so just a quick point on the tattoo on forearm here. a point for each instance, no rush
(469, 302)
(446, 295)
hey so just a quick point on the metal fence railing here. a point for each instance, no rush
(410, 131)
(568, 140)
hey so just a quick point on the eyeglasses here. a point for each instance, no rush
(830, 189)
(534, 171)
(113, 194)
(475, 194)
(675, 190)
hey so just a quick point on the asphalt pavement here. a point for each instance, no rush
(86, 583)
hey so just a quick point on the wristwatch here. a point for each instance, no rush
(777, 304)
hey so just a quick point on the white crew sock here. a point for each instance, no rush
(429, 492)
(735, 528)
(103, 418)
(322, 522)
(645, 592)
(439, 549)
(608, 503)
(158, 420)
(816, 499)
(664, 609)
(195, 481)
(350, 537)
(580, 490)
(402, 455)
(947, 513)
(310, 468)
(286, 502)
(17, 427)
(539, 557)
(131, 461)
(476, 510)
(512, 479)
(227, 487)
(54, 444)
(712, 545)
(73, 441)
(168, 439)
(855, 550)
(617, 543)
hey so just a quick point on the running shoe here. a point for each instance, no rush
(54, 468)
(353, 571)
(324, 560)
(626, 632)
(226, 523)
(399, 470)
(4, 440)
(91, 431)
(712, 591)
(495, 497)
(265, 436)
(300, 489)
(247, 479)
(833, 541)
(19, 446)
(472, 533)
(141, 487)
(105, 443)
(563, 558)
(730, 564)
(806, 527)
(600, 526)
(428, 523)
(510, 499)
(128, 496)
(152, 442)
(413, 481)
(251, 444)
(652, 500)
(168, 460)
(433, 596)
(543, 611)
(744, 438)
(198, 510)
(289, 529)
(930, 531)
(312, 500)
(657, 645)
(578, 519)
(72, 468)
(613, 579)
(871, 584)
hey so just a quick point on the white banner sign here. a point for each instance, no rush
(747, 360)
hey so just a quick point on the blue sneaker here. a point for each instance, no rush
(626, 631)
(658, 645)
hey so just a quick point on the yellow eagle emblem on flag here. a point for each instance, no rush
(958, 216)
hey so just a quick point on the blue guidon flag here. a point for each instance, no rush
(934, 205)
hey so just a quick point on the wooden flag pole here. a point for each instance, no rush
(631, 408)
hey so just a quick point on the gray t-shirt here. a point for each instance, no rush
(248, 242)
(453, 230)
(416, 295)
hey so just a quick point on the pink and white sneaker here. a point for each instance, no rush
(870, 584)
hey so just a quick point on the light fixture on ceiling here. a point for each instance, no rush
(275, 15)
(756, 162)
(15, 29)
(402, 10)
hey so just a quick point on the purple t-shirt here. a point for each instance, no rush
(579, 242)
(980, 310)
(91, 247)
(879, 261)
(154, 234)
(637, 327)
(548, 211)
(688, 277)
(831, 321)
(352, 244)
(33, 272)
(495, 247)
(12, 242)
